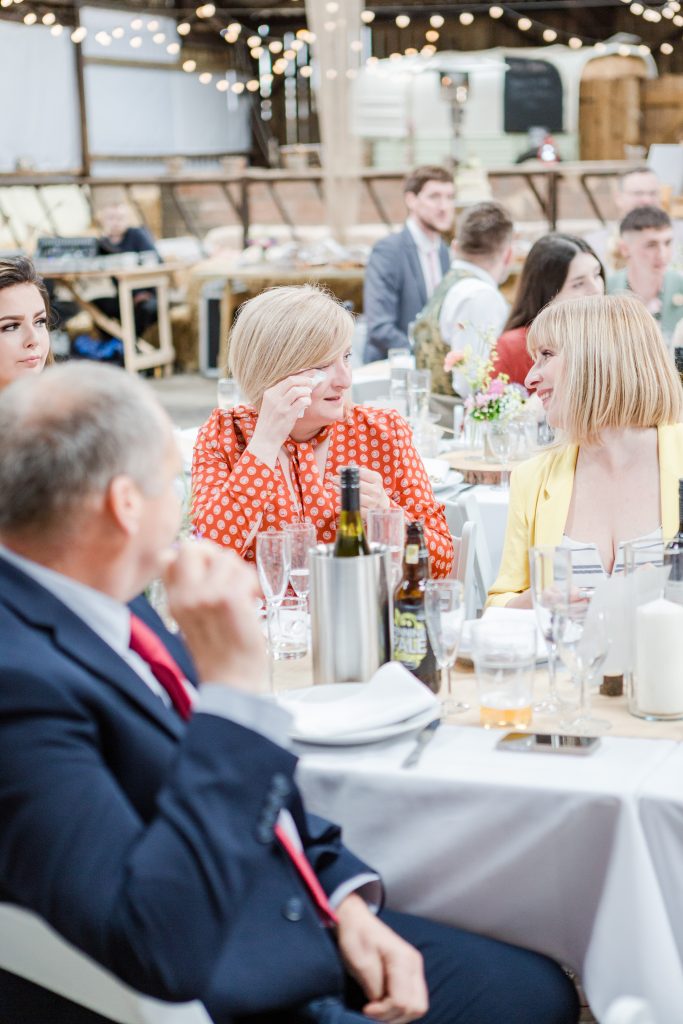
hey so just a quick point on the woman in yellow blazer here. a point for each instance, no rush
(607, 382)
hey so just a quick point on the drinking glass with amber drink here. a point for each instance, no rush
(505, 662)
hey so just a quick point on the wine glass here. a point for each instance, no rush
(550, 572)
(445, 614)
(273, 559)
(387, 526)
(583, 643)
(503, 438)
(302, 537)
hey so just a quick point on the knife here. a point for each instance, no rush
(421, 742)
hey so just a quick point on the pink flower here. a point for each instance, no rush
(496, 387)
(453, 359)
(481, 400)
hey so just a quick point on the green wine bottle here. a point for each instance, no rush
(350, 539)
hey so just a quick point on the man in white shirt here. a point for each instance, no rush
(467, 309)
(405, 267)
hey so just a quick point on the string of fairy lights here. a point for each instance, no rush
(291, 54)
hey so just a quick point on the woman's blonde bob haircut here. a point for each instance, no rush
(283, 331)
(617, 370)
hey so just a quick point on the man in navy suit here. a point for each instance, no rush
(405, 268)
(157, 845)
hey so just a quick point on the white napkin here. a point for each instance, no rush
(393, 695)
(504, 615)
(185, 439)
(437, 469)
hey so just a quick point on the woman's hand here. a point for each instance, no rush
(372, 493)
(281, 407)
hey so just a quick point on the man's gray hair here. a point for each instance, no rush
(66, 434)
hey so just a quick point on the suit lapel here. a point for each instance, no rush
(555, 496)
(415, 265)
(47, 614)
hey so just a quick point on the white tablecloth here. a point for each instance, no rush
(493, 504)
(545, 851)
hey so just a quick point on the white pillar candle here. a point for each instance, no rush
(659, 657)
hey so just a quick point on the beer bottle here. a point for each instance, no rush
(350, 538)
(411, 639)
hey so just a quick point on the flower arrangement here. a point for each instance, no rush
(488, 397)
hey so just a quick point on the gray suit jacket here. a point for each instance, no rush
(394, 292)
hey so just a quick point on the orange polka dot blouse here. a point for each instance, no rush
(235, 495)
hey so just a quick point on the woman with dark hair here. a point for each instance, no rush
(24, 320)
(557, 267)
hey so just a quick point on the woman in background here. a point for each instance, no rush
(277, 459)
(24, 320)
(558, 267)
(605, 379)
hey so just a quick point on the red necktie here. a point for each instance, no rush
(145, 642)
(165, 670)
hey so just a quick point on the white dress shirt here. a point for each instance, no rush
(473, 312)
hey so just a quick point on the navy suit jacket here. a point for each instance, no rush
(145, 841)
(394, 292)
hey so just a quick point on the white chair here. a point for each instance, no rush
(628, 1010)
(463, 564)
(34, 951)
(461, 510)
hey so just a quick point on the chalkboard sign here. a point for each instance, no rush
(55, 248)
(533, 96)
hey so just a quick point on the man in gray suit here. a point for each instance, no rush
(405, 268)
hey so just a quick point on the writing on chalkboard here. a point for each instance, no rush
(533, 96)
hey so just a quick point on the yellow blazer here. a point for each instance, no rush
(540, 493)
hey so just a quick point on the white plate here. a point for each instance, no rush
(335, 692)
(453, 478)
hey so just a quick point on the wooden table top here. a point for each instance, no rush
(122, 273)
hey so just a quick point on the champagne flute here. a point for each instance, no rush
(387, 526)
(273, 558)
(550, 571)
(445, 615)
(583, 643)
(302, 537)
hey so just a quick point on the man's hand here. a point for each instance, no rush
(212, 594)
(387, 968)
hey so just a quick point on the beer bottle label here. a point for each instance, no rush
(410, 638)
(412, 554)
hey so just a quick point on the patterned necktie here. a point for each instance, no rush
(145, 642)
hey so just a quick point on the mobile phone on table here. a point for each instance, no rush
(548, 743)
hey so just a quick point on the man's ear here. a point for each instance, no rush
(124, 501)
(409, 199)
(623, 247)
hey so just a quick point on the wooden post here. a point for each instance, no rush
(80, 84)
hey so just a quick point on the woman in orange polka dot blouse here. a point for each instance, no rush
(277, 460)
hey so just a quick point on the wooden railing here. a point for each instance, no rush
(543, 180)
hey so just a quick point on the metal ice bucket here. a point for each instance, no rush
(351, 614)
